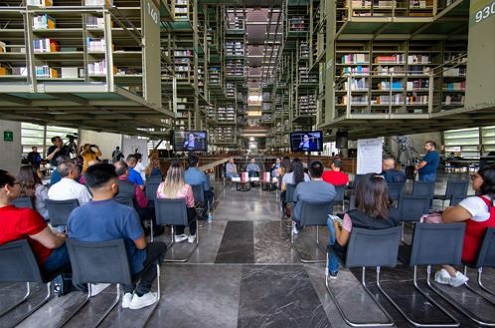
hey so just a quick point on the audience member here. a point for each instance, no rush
(139, 168)
(296, 174)
(55, 175)
(231, 169)
(283, 169)
(389, 172)
(194, 176)
(25, 223)
(371, 212)
(174, 187)
(34, 157)
(68, 187)
(90, 153)
(335, 176)
(153, 168)
(134, 176)
(104, 219)
(31, 186)
(315, 191)
(274, 170)
(479, 214)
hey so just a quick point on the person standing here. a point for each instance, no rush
(117, 155)
(58, 149)
(34, 157)
(427, 168)
(90, 153)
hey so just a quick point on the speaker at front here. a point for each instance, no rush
(341, 140)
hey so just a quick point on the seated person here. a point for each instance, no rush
(68, 187)
(104, 219)
(389, 172)
(253, 169)
(194, 176)
(479, 214)
(134, 176)
(130, 191)
(174, 187)
(335, 176)
(371, 212)
(153, 168)
(24, 223)
(231, 169)
(295, 176)
(274, 170)
(315, 191)
(31, 186)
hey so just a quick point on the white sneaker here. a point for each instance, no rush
(126, 300)
(191, 238)
(98, 288)
(458, 280)
(294, 228)
(442, 277)
(143, 301)
(181, 238)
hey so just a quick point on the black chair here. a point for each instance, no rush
(484, 259)
(339, 196)
(368, 248)
(424, 188)
(312, 214)
(151, 187)
(23, 202)
(174, 212)
(18, 264)
(352, 202)
(355, 182)
(289, 197)
(199, 198)
(395, 190)
(432, 244)
(102, 262)
(455, 189)
(59, 210)
(154, 179)
(410, 208)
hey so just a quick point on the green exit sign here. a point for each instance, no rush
(8, 136)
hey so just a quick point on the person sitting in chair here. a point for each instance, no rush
(231, 169)
(190, 143)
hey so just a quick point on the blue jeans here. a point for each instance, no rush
(429, 177)
(57, 259)
(333, 262)
(232, 175)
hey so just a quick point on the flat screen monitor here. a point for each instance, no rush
(306, 141)
(187, 140)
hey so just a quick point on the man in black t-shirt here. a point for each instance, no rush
(58, 149)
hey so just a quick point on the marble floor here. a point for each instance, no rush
(245, 274)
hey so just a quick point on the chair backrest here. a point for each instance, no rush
(199, 192)
(437, 244)
(18, 263)
(486, 254)
(458, 188)
(395, 190)
(151, 188)
(171, 211)
(373, 247)
(154, 179)
(315, 213)
(424, 188)
(125, 201)
(352, 202)
(23, 202)
(99, 262)
(289, 192)
(412, 207)
(59, 210)
(455, 199)
(340, 193)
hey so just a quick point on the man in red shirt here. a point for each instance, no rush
(335, 176)
(21, 223)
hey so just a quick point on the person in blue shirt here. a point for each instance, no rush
(134, 175)
(194, 176)
(104, 219)
(389, 172)
(427, 168)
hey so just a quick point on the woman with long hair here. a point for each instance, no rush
(479, 214)
(153, 168)
(175, 187)
(371, 212)
(296, 174)
(31, 186)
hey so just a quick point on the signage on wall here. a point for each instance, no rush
(8, 136)
(481, 10)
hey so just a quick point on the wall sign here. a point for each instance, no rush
(8, 136)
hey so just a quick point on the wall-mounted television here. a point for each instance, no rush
(306, 141)
(187, 140)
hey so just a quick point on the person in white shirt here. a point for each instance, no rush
(68, 187)
(140, 168)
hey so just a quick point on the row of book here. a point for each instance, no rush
(355, 59)
(356, 70)
(455, 86)
(45, 45)
(397, 99)
(43, 22)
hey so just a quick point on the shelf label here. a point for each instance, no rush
(481, 11)
(152, 11)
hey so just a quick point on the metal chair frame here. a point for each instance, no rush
(486, 258)
(391, 235)
(455, 189)
(23, 202)
(180, 219)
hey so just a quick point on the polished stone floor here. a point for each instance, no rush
(245, 274)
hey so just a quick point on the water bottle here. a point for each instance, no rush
(210, 217)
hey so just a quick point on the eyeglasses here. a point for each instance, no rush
(474, 176)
